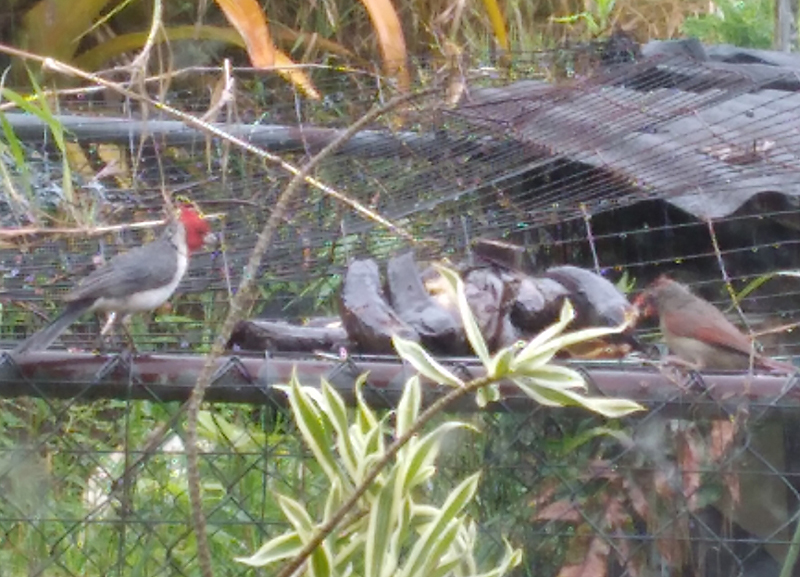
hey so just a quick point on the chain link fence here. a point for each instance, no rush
(633, 167)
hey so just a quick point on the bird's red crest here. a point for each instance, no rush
(195, 225)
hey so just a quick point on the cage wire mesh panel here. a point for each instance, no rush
(664, 163)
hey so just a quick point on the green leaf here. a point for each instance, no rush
(337, 413)
(365, 418)
(422, 453)
(352, 549)
(282, 547)
(382, 520)
(408, 407)
(334, 500)
(554, 375)
(511, 559)
(488, 394)
(320, 561)
(557, 397)
(500, 364)
(310, 422)
(473, 332)
(445, 567)
(546, 344)
(297, 516)
(533, 348)
(438, 535)
(371, 452)
(424, 363)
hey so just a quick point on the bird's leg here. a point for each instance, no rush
(676, 361)
(107, 326)
(692, 371)
(126, 321)
(112, 317)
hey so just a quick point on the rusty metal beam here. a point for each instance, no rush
(249, 379)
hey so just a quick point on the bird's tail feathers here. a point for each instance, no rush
(45, 337)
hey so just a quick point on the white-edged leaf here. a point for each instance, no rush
(422, 454)
(282, 547)
(471, 329)
(424, 363)
(583, 335)
(792, 273)
(554, 375)
(528, 386)
(428, 548)
(372, 452)
(351, 550)
(560, 397)
(487, 394)
(531, 350)
(408, 407)
(334, 500)
(445, 567)
(365, 418)
(511, 559)
(297, 516)
(310, 421)
(438, 534)
(500, 364)
(337, 414)
(382, 522)
(320, 562)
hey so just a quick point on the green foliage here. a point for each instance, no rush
(392, 531)
(529, 365)
(389, 531)
(597, 18)
(746, 23)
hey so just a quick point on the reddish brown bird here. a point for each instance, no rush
(699, 334)
(139, 280)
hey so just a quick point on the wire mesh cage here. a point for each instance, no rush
(636, 164)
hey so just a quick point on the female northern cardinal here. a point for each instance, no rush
(139, 280)
(699, 334)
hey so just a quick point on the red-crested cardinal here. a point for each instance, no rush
(139, 280)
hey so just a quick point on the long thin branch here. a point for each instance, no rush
(58, 66)
(242, 302)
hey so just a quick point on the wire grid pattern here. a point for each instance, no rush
(655, 492)
(660, 492)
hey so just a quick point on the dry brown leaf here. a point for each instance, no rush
(723, 434)
(545, 494)
(250, 21)
(391, 39)
(637, 498)
(632, 566)
(615, 514)
(662, 484)
(564, 510)
(594, 564)
(689, 462)
(673, 542)
(288, 69)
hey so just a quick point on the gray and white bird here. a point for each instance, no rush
(139, 280)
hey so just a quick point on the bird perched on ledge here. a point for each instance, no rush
(139, 280)
(698, 333)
